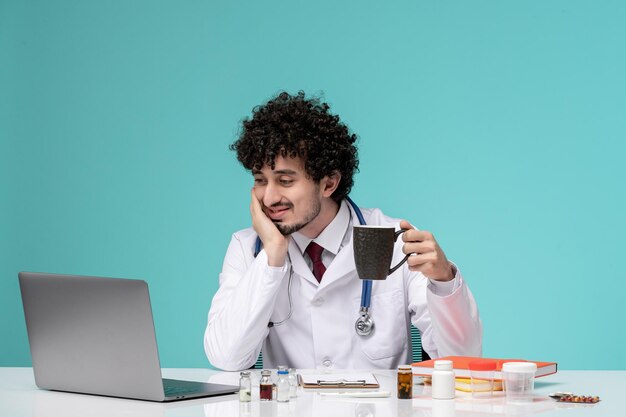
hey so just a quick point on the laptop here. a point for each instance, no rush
(95, 335)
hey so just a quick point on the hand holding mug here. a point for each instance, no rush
(425, 254)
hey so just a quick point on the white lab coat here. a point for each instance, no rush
(320, 332)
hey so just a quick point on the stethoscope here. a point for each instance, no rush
(364, 325)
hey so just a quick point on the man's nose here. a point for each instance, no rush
(271, 195)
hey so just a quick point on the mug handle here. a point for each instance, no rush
(398, 233)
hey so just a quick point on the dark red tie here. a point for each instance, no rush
(315, 253)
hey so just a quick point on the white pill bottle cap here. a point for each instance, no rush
(444, 365)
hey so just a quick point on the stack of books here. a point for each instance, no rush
(460, 365)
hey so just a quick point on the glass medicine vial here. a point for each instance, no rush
(405, 382)
(282, 385)
(265, 386)
(443, 381)
(245, 387)
(293, 383)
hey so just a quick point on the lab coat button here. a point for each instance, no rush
(318, 301)
(327, 363)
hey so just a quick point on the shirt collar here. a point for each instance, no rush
(332, 236)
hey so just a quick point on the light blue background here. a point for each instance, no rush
(500, 126)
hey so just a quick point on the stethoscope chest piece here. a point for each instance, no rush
(364, 325)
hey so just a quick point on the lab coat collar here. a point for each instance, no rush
(332, 236)
(339, 229)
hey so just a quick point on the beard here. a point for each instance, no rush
(287, 229)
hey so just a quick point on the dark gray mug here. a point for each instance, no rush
(373, 251)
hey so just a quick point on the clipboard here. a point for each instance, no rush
(321, 381)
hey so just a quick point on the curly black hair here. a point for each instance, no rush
(294, 126)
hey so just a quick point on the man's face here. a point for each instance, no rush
(288, 197)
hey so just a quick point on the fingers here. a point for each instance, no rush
(255, 205)
(417, 241)
(426, 255)
(418, 259)
(430, 264)
(419, 247)
(423, 249)
(260, 222)
(414, 235)
(406, 225)
(259, 219)
(274, 243)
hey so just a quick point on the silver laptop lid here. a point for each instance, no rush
(92, 335)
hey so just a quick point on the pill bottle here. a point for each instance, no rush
(443, 380)
(405, 382)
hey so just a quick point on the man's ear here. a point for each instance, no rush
(329, 183)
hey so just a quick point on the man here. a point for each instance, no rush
(299, 305)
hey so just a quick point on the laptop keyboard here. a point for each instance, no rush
(177, 389)
(173, 388)
(173, 391)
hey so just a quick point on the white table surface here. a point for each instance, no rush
(20, 397)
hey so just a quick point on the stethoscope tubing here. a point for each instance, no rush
(366, 291)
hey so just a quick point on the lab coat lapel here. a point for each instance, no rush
(342, 266)
(299, 264)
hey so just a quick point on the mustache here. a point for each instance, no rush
(279, 204)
